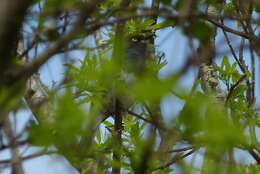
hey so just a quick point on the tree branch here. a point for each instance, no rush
(175, 159)
(35, 155)
(245, 35)
(31, 67)
(234, 86)
(139, 116)
(12, 14)
(16, 161)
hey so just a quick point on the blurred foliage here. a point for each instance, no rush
(82, 111)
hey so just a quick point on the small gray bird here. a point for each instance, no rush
(135, 59)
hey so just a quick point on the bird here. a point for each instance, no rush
(136, 54)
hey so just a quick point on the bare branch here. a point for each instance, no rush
(35, 155)
(175, 159)
(16, 161)
(31, 67)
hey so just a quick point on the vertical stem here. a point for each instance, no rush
(97, 36)
(117, 54)
(209, 55)
(118, 139)
(253, 72)
(250, 12)
(155, 7)
(16, 162)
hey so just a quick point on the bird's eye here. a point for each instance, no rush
(134, 39)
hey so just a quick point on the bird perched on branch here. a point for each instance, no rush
(135, 58)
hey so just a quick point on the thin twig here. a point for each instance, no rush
(18, 143)
(35, 155)
(16, 161)
(245, 35)
(31, 67)
(139, 116)
(252, 56)
(234, 86)
(180, 149)
(232, 50)
(175, 159)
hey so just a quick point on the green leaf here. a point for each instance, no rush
(225, 63)
(98, 135)
(107, 123)
(200, 30)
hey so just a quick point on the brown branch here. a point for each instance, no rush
(177, 18)
(156, 118)
(139, 116)
(16, 161)
(243, 67)
(155, 8)
(100, 47)
(241, 52)
(31, 67)
(18, 143)
(118, 126)
(252, 56)
(250, 90)
(175, 159)
(35, 155)
(30, 46)
(232, 50)
(246, 25)
(245, 35)
(118, 52)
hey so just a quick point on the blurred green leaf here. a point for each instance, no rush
(200, 30)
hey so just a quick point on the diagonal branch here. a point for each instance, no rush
(245, 35)
(28, 157)
(175, 159)
(234, 86)
(139, 116)
(31, 67)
